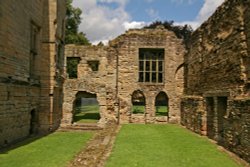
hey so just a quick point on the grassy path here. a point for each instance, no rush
(165, 146)
(55, 150)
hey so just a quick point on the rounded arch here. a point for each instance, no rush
(85, 108)
(138, 101)
(162, 104)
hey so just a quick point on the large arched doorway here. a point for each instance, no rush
(138, 102)
(161, 104)
(85, 108)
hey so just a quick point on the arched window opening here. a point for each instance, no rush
(138, 101)
(161, 104)
(86, 108)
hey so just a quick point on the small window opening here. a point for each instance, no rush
(72, 64)
(94, 65)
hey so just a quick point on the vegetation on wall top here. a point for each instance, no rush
(182, 32)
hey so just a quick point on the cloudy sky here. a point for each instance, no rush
(103, 20)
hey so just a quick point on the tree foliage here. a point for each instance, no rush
(72, 36)
(72, 63)
(183, 32)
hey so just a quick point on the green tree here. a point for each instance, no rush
(72, 63)
(72, 36)
(183, 32)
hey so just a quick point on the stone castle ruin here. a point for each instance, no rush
(31, 67)
(204, 87)
(216, 99)
(148, 61)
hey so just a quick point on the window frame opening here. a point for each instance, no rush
(72, 67)
(162, 105)
(138, 101)
(94, 65)
(151, 65)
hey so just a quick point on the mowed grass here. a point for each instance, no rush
(165, 146)
(55, 150)
(87, 114)
(136, 109)
(159, 110)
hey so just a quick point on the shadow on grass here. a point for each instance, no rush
(21, 142)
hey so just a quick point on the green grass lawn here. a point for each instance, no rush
(55, 150)
(161, 111)
(136, 109)
(87, 114)
(164, 146)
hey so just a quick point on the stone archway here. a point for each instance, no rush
(162, 104)
(138, 102)
(85, 108)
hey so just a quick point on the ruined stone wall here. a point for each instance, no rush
(128, 46)
(52, 65)
(217, 78)
(20, 91)
(117, 77)
(100, 82)
(218, 46)
(247, 32)
(19, 95)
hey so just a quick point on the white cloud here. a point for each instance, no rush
(134, 24)
(101, 23)
(205, 12)
(208, 9)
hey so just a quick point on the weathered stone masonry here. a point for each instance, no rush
(31, 67)
(117, 77)
(217, 92)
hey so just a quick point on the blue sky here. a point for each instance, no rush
(103, 20)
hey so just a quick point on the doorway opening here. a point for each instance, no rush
(210, 117)
(222, 110)
(161, 104)
(33, 122)
(86, 108)
(138, 102)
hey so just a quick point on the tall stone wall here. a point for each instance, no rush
(216, 81)
(100, 82)
(52, 65)
(24, 99)
(118, 76)
(128, 46)
(247, 32)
